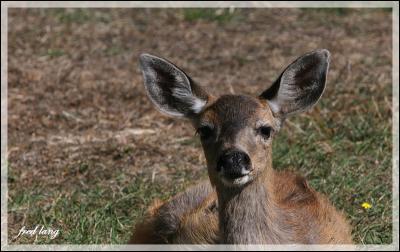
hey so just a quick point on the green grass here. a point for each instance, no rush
(87, 216)
(335, 11)
(53, 53)
(208, 14)
(73, 15)
(80, 15)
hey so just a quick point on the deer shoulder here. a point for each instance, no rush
(188, 218)
(311, 214)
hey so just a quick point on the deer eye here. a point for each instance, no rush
(265, 131)
(205, 132)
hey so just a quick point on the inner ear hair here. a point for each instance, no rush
(300, 85)
(171, 90)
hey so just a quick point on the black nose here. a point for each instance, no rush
(233, 163)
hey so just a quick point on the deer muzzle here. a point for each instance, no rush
(233, 164)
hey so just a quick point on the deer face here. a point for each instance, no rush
(236, 134)
(236, 131)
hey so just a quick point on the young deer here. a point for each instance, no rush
(247, 202)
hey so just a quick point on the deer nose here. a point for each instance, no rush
(234, 163)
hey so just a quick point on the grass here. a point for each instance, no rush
(92, 178)
(342, 164)
(97, 214)
(209, 14)
(72, 15)
(334, 11)
(90, 216)
(53, 53)
(68, 16)
(114, 50)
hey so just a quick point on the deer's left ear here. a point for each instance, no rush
(300, 85)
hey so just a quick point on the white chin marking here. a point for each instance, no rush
(235, 182)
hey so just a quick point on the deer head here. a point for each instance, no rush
(236, 131)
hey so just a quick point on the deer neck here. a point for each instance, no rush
(249, 215)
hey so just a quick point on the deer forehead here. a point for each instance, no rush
(237, 112)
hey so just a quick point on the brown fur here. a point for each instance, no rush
(145, 231)
(189, 217)
(292, 195)
(255, 205)
(277, 207)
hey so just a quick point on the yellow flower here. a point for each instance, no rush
(366, 205)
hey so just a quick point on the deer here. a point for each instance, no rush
(245, 201)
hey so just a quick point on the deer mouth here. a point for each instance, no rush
(237, 181)
(233, 174)
(231, 177)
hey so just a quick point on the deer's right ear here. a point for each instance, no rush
(170, 89)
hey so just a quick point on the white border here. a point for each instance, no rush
(395, 127)
(200, 4)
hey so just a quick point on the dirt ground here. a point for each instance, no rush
(88, 152)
